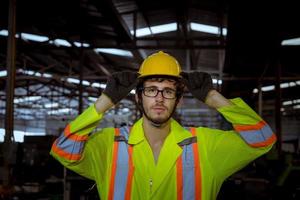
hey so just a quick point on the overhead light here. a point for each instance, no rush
(291, 102)
(286, 103)
(4, 32)
(282, 85)
(51, 105)
(155, 29)
(46, 75)
(125, 110)
(81, 44)
(59, 111)
(118, 52)
(268, 88)
(34, 73)
(291, 42)
(61, 42)
(164, 28)
(73, 80)
(19, 135)
(99, 85)
(27, 99)
(208, 28)
(296, 107)
(217, 81)
(77, 81)
(3, 73)
(141, 32)
(33, 37)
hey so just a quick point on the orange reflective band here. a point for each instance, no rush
(257, 126)
(179, 178)
(130, 174)
(198, 184)
(265, 143)
(66, 155)
(113, 167)
(73, 136)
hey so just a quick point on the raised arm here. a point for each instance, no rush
(229, 151)
(70, 147)
(216, 100)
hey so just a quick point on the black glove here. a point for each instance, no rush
(198, 83)
(119, 84)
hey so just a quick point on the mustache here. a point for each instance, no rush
(159, 105)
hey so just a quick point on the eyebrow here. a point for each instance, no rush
(162, 88)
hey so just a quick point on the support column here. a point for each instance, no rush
(80, 98)
(10, 86)
(278, 107)
(260, 99)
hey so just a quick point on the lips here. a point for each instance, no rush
(159, 108)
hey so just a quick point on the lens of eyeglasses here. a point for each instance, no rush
(167, 93)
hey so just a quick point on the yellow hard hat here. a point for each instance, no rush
(160, 64)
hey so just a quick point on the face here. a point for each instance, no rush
(158, 109)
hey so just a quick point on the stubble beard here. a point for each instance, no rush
(158, 121)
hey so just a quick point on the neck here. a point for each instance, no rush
(156, 135)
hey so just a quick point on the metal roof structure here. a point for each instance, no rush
(60, 42)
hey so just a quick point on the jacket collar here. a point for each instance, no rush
(169, 152)
(137, 133)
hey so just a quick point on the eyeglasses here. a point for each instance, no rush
(167, 93)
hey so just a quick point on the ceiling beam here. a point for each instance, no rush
(107, 8)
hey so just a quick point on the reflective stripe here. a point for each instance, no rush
(74, 136)
(179, 178)
(113, 167)
(257, 135)
(265, 143)
(130, 174)
(198, 179)
(69, 146)
(122, 168)
(247, 127)
(188, 171)
(63, 154)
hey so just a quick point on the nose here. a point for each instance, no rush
(159, 96)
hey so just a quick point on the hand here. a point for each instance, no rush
(198, 83)
(119, 84)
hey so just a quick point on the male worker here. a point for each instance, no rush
(157, 158)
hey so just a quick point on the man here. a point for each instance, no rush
(157, 158)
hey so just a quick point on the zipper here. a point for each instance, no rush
(150, 183)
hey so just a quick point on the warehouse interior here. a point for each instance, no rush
(55, 57)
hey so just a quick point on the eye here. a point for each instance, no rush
(169, 91)
(151, 89)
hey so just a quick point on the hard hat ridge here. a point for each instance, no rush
(160, 63)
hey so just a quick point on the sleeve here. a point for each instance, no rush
(229, 151)
(69, 149)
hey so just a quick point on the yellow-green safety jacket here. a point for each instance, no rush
(217, 155)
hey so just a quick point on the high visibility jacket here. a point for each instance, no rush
(220, 154)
